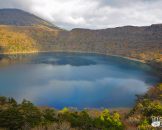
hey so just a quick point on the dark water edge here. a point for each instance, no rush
(81, 72)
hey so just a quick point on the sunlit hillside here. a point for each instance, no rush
(15, 42)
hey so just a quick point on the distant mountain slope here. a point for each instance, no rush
(127, 40)
(20, 18)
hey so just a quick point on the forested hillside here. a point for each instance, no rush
(11, 42)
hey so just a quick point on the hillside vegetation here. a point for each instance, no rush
(147, 106)
(26, 116)
(15, 42)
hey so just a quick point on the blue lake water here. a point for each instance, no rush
(74, 80)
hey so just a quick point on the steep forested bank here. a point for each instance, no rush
(142, 43)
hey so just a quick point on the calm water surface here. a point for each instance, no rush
(74, 80)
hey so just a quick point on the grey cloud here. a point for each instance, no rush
(125, 3)
(93, 14)
(15, 4)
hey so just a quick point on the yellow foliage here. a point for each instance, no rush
(64, 110)
(15, 42)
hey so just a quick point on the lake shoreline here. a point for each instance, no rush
(60, 51)
(153, 65)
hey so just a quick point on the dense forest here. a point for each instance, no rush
(27, 116)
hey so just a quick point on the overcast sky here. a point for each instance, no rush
(92, 14)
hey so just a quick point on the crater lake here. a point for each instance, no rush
(74, 79)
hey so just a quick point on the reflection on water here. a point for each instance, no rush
(74, 80)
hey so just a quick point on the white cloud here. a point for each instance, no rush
(92, 13)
